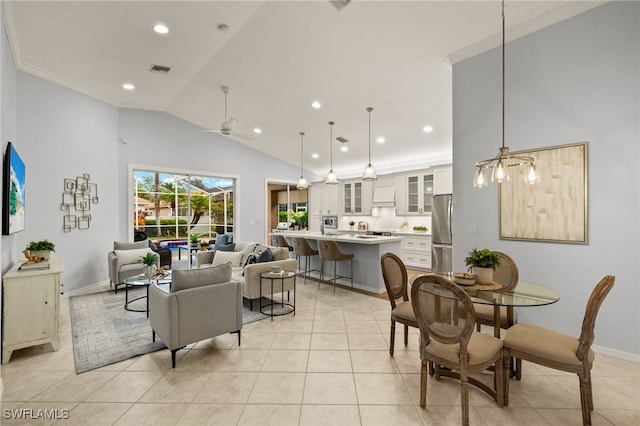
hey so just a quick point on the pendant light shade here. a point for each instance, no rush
(302, 182)
(369, 171)
(501, 163)
(332, 179)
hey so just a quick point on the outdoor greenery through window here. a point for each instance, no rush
(170, 206)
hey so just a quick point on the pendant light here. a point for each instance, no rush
(501, 162)
(369, 171)
(332, 179)
(302, 182)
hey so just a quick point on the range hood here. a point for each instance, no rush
(384, 197)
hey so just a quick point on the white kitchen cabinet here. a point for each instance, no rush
(415, 193)
(31, 307)
(356, 197)
(443, 180)
(323, 199)
(416, 251)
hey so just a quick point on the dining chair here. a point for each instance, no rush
(394, 273)
(506, 275)
(559, 351)
(446, 319)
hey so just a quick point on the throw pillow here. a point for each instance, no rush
(127, 257)
(246, 249)
(226, 247)
(222, 257)
(251, 259)
(221, 240)
(130, 246)
(265, 256)
(191, 278)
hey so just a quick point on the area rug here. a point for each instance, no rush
(105, 333)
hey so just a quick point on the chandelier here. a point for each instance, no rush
(505, 159)
(302, 182)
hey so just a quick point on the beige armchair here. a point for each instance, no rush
(124, 261)
(203, 303)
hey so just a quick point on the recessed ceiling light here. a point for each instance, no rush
(128, 86)
(161, 28)
(316, 104)
(257, 130)
(427, 129)
(315, 155)
(344, 148)
(380, 139)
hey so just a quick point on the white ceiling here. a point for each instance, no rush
(277, 57)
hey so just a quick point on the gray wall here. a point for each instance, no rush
(572, 82)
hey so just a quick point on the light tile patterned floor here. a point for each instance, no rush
(328, 364)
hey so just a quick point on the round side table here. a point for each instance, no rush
(273, 278)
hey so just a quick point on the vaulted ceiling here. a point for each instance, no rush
(277, 57)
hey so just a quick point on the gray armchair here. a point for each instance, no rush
(124, 265)
(203, 303)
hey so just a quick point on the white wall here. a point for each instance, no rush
(572, 82)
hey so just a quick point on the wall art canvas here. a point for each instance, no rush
(13, 192)
(554, 209)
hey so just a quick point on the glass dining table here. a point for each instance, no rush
(524, 294)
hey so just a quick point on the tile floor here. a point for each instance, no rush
(327, 365)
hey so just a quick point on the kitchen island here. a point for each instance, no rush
(367, 251)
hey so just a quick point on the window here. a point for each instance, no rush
(170, 205)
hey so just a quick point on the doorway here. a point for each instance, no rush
(286, 204)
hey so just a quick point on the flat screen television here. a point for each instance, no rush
(13, 195)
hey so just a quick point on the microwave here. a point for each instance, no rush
(330, 222)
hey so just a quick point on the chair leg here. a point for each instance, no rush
(321, 272)
(585, 390)
(392, 337)
(506, 366)
(406, 334)
(334, 275)
(423, 384)
(351, 272)
(173, 358)
(518, 368)
(153, 335)
(464, 399)
(239, 332)
(498, 380)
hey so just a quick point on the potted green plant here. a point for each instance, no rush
(204, 245)
(352, 224)
(420, 228)
(41, 248)
(149, 261)
(194, 239)
(482, 263)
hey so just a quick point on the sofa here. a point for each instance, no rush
(248, 262)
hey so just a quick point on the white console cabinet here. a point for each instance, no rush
(31, 307)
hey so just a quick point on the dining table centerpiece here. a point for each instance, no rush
(482, 263)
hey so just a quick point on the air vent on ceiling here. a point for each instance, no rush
(159, 68)
(341, 139)
(339, 4)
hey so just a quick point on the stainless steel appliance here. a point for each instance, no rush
(441, 236)
(329, 225)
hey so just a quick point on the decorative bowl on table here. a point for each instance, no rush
(276, 269)
(462, 278)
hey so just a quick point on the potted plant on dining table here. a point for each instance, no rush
(482, 263)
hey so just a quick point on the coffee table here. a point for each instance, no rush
(142, 281)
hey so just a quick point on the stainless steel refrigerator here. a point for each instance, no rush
(441, 238)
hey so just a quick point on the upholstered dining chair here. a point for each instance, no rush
(559, 351)
(394, 273)
(446, 319)
(507, 275)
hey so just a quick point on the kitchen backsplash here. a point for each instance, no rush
(386, 219)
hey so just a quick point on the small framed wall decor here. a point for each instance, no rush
(554, 209)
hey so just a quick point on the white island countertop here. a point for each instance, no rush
(342, 238)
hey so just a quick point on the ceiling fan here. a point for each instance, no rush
(227, 126)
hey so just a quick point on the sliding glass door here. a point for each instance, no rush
(169, 206)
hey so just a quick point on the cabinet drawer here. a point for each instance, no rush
(419, 259)
(416, 243)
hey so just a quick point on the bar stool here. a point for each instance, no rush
(280, 241)
(329, 250)
(301, 248)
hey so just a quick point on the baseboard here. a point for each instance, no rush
(614, 353)
(99, 286)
